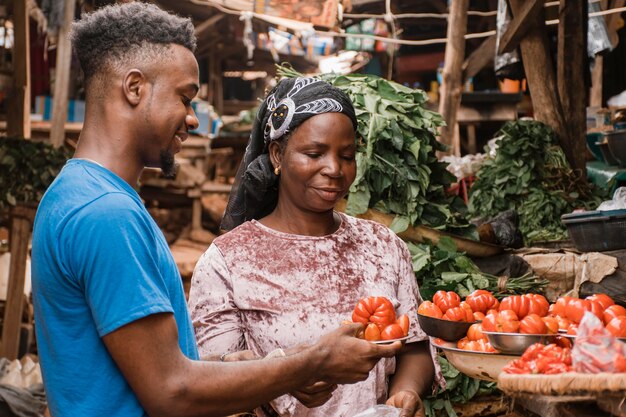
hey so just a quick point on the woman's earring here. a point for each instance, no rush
(277, 171)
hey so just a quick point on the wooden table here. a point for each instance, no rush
(41, 129)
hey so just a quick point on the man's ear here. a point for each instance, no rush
(134, 86)
(275, 154)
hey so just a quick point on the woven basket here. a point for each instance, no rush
(570, 383)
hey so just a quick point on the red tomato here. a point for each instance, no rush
(489, 323)
(563, 322)
(446, 299)
(481, 300)
(403, 322)
(552, 324)
(538, 304)
(563, 342)
(462, 342)
(456, 314)
(478, 316)
(558, 308)
(469, 313)
(572, 329)
(378, 310)
(604, 300)
(392, 331)
(617, 326)
(518, 303)
(475, 332)
(576, 308)
(613, 311)
(620, 363)
(428, 308)
(372, 333)
(506, 322)
(532, 324)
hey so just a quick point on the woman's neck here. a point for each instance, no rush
(302, 222)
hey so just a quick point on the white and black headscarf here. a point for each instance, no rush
(291, 102)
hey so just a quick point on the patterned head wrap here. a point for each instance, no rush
(291, 102)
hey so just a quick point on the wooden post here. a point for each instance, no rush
(479, 59)
(572, 72)
(540, 73)
(62, 76)
(595, 93)
(21, 226)
(18, 112)
(452, 86)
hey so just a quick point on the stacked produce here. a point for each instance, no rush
(531, 175)
(542, 359)
(569, 311)
(397, 167)
(379, 318)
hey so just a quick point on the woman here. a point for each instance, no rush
(292, 268)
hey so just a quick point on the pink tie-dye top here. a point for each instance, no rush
(260, 289)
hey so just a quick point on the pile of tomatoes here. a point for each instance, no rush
(569, 311)
(379, 318)
(542, 359)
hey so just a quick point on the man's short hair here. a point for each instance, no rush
(127, 33)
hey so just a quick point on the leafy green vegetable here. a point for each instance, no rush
(441, 267)
(460, 388)
(28, 168)
(397, 167)
(530, 174)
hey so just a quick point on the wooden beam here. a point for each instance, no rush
(480, 58)
(540, 74)
(21, 226)
(572, 76)
(518, 27)
(452, 71)
(62, 80)
(206, 26)
(18, 112)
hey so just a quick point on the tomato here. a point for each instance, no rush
(604, 300)
(481, 300)
(617, 326)
(446, 299)
(456, 314)
(475, 332)
(532, 324)
(506, 321)
(469, 313)
(620, 363)
(576, 308)
(613, 311)
(392, 331)
(403, 322)
(563, 342)
(538, 304)
(552, 324)
(462, 342)
(478, 316)
(558, 308)
(377, 310)
(572, 329)
(372, 332)
(563, 322)
(518, 303)
(428, 308)
(477, 346)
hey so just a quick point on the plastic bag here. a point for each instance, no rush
(380, 411)
(617, 203)
(596, 350)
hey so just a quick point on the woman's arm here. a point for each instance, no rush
(414, 376)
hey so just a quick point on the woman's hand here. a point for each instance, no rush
(315, 395)
(409, 402)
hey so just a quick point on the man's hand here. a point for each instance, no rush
(315, 395)
(409, 402)
(347, 359)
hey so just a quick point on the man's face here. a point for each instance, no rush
(168, 115)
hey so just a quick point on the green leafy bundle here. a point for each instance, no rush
(460, 388)
(530, 174)
(441, 267)
(397, 167)
(28, 168)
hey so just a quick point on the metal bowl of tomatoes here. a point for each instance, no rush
(443, 329)
(516, 343)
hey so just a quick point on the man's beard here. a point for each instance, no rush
(169, 167)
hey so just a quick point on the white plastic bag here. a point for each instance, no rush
(617, 203)
(380, 411)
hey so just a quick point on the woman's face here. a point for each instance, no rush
(318, 163)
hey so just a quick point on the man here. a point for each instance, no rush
(113, 331)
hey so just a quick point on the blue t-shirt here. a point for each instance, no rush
(99, 261)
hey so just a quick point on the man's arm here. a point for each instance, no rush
(167, 383)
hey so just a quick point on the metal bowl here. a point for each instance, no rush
(516, 343)
(480, 365)
(443, 329)
(616, 141)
